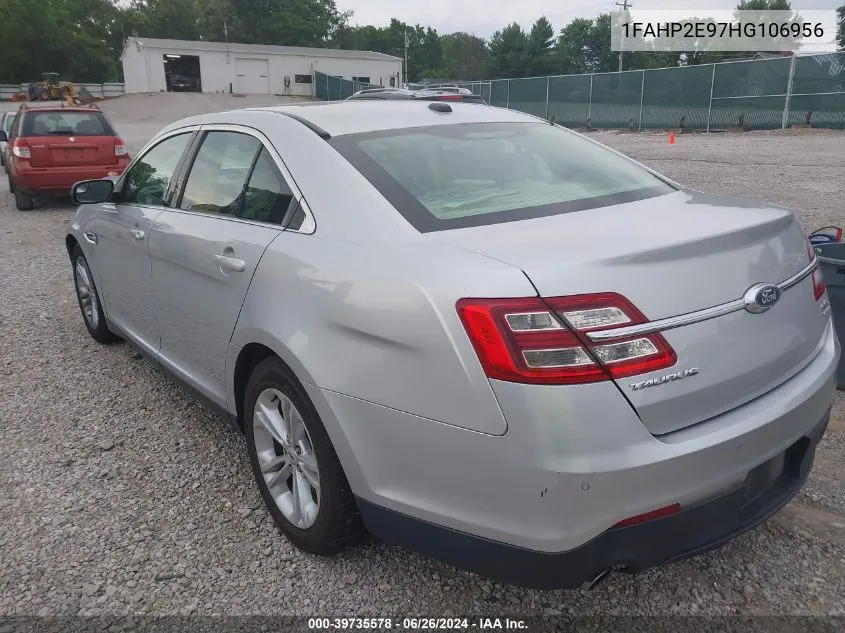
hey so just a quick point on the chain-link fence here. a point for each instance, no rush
(329, 88)
(761, 93)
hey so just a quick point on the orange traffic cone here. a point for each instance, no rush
(672, 137)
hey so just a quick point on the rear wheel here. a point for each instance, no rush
(89, 299)
(294, 463)
(23, 202)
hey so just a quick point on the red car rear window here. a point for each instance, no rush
(53, 123)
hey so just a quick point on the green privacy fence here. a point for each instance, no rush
(762, 94)
(329, 88)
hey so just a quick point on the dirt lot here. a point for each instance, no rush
(120, 495)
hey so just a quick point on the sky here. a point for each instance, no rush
(484, 17)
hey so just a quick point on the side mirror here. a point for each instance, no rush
(4, 138)
(92, 191)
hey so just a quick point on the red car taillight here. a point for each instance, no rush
(21, 149)
(818, 282)
(542, 341)
(120, 148)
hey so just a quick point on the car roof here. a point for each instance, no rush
(364, 115)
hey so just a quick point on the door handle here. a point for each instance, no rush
(137, 234)
(230, 263)
(91, 238)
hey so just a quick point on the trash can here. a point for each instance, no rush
(832, 264)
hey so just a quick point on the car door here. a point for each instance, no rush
(120, 239)
(205, 250)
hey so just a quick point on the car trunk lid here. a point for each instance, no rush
(69, 151)
(673, 255)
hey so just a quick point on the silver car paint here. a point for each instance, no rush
(363, 311)
(198, 293)
(671, 255)
(122, 262)
(559, 478)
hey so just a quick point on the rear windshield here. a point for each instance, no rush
(454, 176)
(52, 123)
(8, 122)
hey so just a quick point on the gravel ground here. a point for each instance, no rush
(120, 495)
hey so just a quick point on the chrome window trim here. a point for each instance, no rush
(698, 316)
(309, 225)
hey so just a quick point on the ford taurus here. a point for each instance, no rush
(417, 316)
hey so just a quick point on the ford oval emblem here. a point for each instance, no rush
(761, 297)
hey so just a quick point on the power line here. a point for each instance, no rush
(625, 6)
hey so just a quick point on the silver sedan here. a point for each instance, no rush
(469, 331)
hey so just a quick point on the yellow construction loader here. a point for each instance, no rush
(53, 89)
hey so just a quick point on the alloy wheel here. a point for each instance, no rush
(87, 294)
(286, 457)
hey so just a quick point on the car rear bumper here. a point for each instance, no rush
(59, 180)
(574, 462)
(692, 531)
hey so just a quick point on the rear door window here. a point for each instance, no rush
(52, 123)
(216, 182)
(267, 196)
(148, 179)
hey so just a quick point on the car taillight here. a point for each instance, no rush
(21, 149)
(535, 340)
(452, 97)
(120, 148)
(818, 282)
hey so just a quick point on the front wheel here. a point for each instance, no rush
(294, 463)
(89, 299)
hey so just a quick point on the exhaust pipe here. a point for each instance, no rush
(587, 585)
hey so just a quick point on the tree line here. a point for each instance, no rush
(83, 39)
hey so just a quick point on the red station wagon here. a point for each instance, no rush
(50, 149)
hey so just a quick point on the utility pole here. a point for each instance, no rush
(625, 6)
(406, 54)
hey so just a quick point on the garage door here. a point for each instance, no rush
(252, 76)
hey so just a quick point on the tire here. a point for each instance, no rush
(92, 312)
(11, 184)
(336, 522)
(23, 202)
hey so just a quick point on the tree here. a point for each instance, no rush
(584, 47)
(74, 38)
(840, 32)
(573, 48)
(764, 5)
(169, 19)
(465, 56)
(508, 52)
(539, 47)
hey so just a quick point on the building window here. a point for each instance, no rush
(363, 80)
(302, 79)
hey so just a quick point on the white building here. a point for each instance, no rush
(152, 65)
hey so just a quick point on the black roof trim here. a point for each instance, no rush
(311, 126)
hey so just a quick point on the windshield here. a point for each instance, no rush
(52, 123)
(451, 176)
